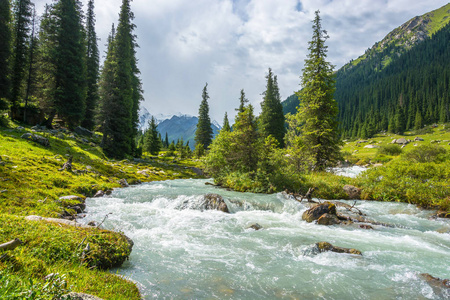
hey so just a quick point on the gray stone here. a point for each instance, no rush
(256, 226)
(36, 138)
(215, 202)
(402, 141)
(317, 211)
(83, 131)
(371, 146)
(71, 197)
(328, 219)
(99, 193)
(123, 182)
(325, 246)
(80, 296)
(418, 139)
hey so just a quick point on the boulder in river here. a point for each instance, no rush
(325, 246)
(353, 192)
(328, 219)
(256, 226)
(215, 202)
(435, 282)
(317, 211)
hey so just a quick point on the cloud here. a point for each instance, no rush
(231, 44)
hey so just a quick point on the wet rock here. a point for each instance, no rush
(256, 226)
(328, 219)
(36, 138)
(365, 226)
(325, 246)
(92, 223)
(215, 202)
(353, 192)
(317, 211)
(99, 194)
(108, 192)
(123, 183)
(442, 214)
(435, 282)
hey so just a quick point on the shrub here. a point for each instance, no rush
(390, 149)
(426, 153)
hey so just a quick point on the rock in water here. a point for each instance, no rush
(256, 226)
(352, 191)
(328, 219)
(324, 246)
(317, 211)
(215, 202)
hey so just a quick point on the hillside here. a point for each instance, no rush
(33, 183)
(400, 83)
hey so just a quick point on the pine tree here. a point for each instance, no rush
(166, 141)
(418, 121)
(242, 102)
(318, 110)
(70, 68)
(204, 132)
(22, 22)
(120, 89)
(31, 64)
(226, 123)
(245, 141)
(92, 69)
(271, 120)
(5, 52)
(45, 64)
(152, 142)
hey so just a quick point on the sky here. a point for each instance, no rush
(231, 44)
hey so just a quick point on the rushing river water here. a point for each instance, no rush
(194, 254)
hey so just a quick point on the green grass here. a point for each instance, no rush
(439, 18)
(30, 184)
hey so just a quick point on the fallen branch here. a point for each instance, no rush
(104, 219)
(11, 245)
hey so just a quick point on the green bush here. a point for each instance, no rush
(426, 153)
(390, 149)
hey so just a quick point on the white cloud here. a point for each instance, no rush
(231, 43)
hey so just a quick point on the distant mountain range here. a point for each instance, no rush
(177, 126)
(399, 83)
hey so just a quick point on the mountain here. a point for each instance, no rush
(177, 126)
(400, 83)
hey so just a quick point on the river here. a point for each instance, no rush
(193, 254)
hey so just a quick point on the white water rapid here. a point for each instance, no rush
(193, 254)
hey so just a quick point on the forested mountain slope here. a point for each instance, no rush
(401, 83)
(398, 86)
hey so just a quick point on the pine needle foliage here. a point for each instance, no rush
(204, 132)
(318, 110)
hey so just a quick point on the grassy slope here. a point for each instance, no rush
(400, 179)
(30, 184)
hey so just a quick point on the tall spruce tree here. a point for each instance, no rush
(271, 120)
(92, 69)
(318, 110)
(70, 67)
(204, 132)
(120, 89)
(31, 64)
(242, 102)
(226, 124)
(5, 52)
(152, 142)
(45, 63)
(21, 36)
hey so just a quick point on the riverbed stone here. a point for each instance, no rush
(317, 211)
(215, 202)
(352, 191)
(328, 219)
(325, 246)
(123, 183)
(435, 281)
(256, 226)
